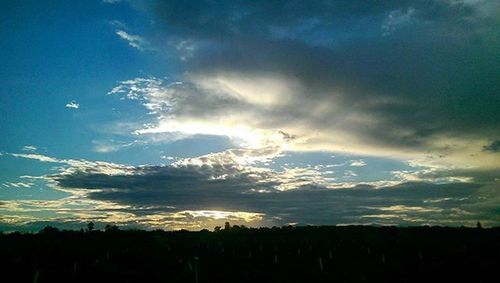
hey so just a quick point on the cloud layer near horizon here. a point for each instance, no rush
(227, 186)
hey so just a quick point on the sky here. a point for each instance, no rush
(187, 114)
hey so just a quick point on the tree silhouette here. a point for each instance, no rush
(90, 226)
(48, 230)
(111, 228)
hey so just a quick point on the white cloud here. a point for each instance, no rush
(38, 157)
(73, 105)
(73, 165)
(168, 157)
(134, 41)
(114, 146)
(29, 148)
(349, 174)
(358, 163)
(17, 184)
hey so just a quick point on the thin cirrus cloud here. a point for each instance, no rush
(134, 41)
(29, 148)
(111, 1)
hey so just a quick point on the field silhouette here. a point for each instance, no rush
(239, 254)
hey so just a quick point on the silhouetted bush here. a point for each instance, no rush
(49, 230)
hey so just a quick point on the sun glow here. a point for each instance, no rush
(242, 134)
(218, 214)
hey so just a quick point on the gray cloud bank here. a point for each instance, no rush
(210, 183)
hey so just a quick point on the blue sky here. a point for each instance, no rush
(187, 114)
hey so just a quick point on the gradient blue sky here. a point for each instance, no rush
(187, 114)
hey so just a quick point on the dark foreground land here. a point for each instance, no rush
(303, 254)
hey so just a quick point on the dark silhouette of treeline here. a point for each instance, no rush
(240, 254)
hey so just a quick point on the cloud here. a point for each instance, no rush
(396, 19)
(234, 183)
(38, 157)
(73, 165)
(329, 78)
(111, 1)
(73, 105)
(118, 24)
(72, 213)
(184, 48)
(357, 163)
(168, 157)
(494, 146)
(108, 146)
(134, 41)
(17, 184)
(29, 148)
(212, 187)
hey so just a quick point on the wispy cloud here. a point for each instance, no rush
(17, 184)
(134, 41)
(396, 19)
(111, 1)
(39, 157)
(29, 148)
(118, 24)
(107, 146)
(358, 163)
(185, 48)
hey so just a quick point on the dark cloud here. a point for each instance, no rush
(224, 187)
(223, 19)
(494, 146)
(476, 175)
